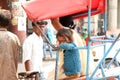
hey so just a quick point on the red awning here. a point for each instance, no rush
(45, 9)
(97, 7)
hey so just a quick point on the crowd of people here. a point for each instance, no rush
(34, 48)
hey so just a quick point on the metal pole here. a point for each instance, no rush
(88, 48)
(91, 77)
(56, 67)
(105, 27)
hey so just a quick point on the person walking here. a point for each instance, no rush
(48, 33)
(33, 50)
(9, 48)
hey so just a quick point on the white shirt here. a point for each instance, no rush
(33, 51)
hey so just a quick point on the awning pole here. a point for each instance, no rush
(88, 48)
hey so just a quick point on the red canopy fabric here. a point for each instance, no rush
(97, 7)
(45, 9)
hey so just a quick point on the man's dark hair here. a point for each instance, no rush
(40, 23)
(67, 21)
(5, 18)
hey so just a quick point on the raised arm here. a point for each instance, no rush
(56, 24)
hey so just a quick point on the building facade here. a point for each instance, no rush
(113, 17)
(18, 17)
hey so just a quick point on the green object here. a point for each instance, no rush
(85, 34)
(84, 27)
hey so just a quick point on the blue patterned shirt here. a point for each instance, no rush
(72, 63)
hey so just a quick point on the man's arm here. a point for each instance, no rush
(56, 24)
(27, 65)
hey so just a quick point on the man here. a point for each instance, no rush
(79, 42)
(33, 49)
(9, 48)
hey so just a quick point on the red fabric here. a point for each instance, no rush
(97, 7)
(45, 9)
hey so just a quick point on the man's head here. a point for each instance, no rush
(5, 18)
(41, 25)
(67, 21)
